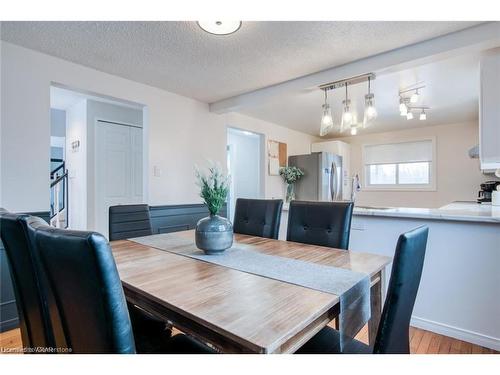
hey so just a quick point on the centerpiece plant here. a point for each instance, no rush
(291, 175)
(214, 233)
(214, 188)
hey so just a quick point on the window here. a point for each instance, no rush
(400, 166)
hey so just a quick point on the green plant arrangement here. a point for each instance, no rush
(214, 188)
(214, 233)
(290, 175)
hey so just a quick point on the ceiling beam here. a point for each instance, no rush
(471, 40)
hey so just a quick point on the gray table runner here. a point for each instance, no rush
(353, 288)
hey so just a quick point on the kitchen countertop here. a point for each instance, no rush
(456, 211)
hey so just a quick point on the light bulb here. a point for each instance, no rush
(347, 117)
(414, 97)
(423, 116)
(370, 110)
(354, 130)
(404, 111)
(409, 116)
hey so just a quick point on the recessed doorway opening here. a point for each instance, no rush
(97, 157)
(245, 163)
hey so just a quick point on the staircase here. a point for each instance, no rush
(59, 194)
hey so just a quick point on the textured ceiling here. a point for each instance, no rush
(180, 57)
(451, 90)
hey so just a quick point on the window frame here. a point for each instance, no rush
(431, 186)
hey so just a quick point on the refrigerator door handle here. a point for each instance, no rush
(333, 179)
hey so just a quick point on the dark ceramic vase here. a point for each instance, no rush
(214, 234)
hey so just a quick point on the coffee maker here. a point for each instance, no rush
(484, 195)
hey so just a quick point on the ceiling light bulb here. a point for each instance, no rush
(414, 97)
(423, 116)
(370, 110)
(347, 115)
(354, 130)
(409, 116)
(326, 121)
(220, 27)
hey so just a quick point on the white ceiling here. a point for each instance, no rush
(180, 57)
(451, 90)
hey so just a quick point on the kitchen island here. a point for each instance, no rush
(459, 294)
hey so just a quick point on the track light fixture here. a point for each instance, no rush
(406, 103)
(422, 116)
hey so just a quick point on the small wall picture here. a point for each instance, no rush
(277, 154)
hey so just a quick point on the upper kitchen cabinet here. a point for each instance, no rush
(489, 111)
(343, 149)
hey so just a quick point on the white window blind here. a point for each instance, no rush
(407, 152)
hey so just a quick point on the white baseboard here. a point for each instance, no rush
(456, 333)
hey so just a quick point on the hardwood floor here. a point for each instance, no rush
(421, 342)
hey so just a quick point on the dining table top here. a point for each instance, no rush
(250, 313)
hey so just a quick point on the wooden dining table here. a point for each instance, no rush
(240, 312)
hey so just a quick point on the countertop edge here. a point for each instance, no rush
(430, 216)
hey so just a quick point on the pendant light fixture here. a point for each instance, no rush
(326, 118)
(349, 118)
(346, 115)
(409, 115)
(370, 110)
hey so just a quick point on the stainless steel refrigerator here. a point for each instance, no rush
(322, 180)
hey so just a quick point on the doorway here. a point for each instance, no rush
(104, 156)
(245, 165)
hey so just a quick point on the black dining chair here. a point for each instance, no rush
(30, 288)
(88, 295)
(393, 330)
(258, 217)
(128, 221)
(320, 223)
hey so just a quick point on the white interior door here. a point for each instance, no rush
(118, 169)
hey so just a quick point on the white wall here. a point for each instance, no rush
(458, 176)
(76, 163)
(181, 132)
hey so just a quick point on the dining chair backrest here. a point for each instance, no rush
(320, 223)
(30, 287)
(88, 294)
(258, 217)
(393, 331)
(128, 221)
